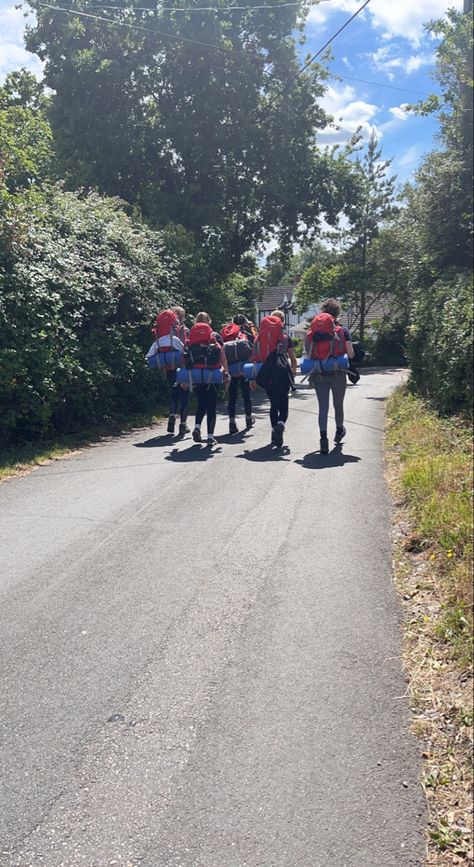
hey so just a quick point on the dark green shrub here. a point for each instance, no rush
(440, 344)
(78, 289)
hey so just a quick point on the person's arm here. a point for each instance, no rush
(223, 362)
(293, 362)
(348, 339)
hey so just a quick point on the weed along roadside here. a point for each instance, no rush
(430, 475)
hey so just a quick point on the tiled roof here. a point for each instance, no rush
(274, 296)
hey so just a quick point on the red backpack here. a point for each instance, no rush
(327, 338)
(271, 334)
(203, 349)
(231, 332)
(167, 324)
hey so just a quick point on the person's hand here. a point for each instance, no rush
(226, 376)
(184, 386)
(253, 385)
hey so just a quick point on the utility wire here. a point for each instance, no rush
(381, 84)
(310, 61)
(214, 46)
(248, 8)
(195, 8)
(71, 11)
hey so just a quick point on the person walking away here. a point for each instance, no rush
(238, 343)
(211, 342)
(171, 335)
(332, 344)
(274, 347)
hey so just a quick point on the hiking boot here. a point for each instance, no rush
(279, 435)
(324, 445)
(233, 429)
(340, 434)
(211, 441)
(197, 435)
(183, 429)
(171, 423)
(249, 422)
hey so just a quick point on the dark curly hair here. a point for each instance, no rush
(332, 307)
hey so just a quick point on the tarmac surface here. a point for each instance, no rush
(201, 653)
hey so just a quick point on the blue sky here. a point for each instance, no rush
(386, 44)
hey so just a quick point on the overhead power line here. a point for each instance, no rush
(195, 8)
(381, 84)
(137, 27)
(214, 46)
(313, 58)
(249, 8)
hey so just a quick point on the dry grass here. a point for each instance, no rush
(430, 474)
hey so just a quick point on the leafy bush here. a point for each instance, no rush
(298, 346)
(440, 344)
(388, 348)
(78, 286)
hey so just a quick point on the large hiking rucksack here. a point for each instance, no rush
(168, 326)
(327, 339)
(202, 350)
(236, 345)
(271, 336)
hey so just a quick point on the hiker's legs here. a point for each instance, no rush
(273, 409)
(322, 393)
(283, 407)
(174, 391)
(233, 387)
(201, 393)
(338, 388)
(183, 403)
(245, 387)
(211, 398)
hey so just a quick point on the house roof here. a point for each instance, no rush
(274, 297)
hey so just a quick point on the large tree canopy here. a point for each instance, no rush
(210, 127)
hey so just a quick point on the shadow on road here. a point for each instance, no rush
(157, 442)
(230, 439)
(265, 453)
(194, 454)
(335, 458)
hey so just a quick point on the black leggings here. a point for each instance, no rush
(207, 405)
(178, 396)
(278, 405)
(233, 391)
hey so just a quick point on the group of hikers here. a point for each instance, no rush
(243, 358)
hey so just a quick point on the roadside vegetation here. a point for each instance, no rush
(430, 472)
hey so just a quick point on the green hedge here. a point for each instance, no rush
(440, 340)
(79, 284)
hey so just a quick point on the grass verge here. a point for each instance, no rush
(430, 474)
(20, 459)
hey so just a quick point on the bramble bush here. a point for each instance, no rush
(79, 283)
(440, 341)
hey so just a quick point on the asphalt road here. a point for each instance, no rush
(200, 654)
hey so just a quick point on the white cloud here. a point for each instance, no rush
(398, 112)
(403, 18)
(388, 57)
(349, 115)
(13, 54)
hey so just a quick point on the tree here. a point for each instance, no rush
(26, 149)
(199, 119)
(373, 206)
(445, 179)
